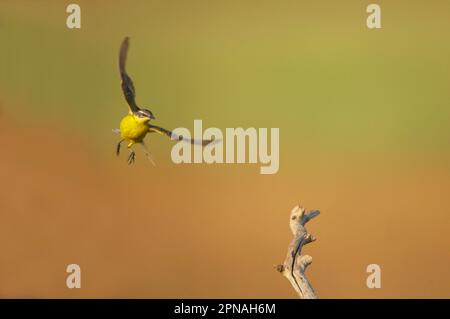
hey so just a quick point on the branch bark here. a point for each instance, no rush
(295, 264)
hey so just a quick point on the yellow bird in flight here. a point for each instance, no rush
(136, 124)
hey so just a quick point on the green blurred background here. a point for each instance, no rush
(364, 118)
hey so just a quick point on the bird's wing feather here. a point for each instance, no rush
(127, 83)
(173, 136)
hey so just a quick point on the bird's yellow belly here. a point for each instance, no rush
(132, 130)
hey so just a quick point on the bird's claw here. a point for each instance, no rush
(131, 158)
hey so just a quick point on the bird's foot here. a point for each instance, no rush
(118, 148)
(131, 158)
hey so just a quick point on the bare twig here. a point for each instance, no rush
(295, 264)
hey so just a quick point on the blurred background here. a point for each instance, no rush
(364, 118)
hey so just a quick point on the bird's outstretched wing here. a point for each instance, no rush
(127, 83)
(171, 135)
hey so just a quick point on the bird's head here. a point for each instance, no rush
(144, 115)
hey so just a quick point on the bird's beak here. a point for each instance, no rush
(152, 117)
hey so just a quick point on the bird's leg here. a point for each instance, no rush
(118, 147)
(147, 153)
(132, 155)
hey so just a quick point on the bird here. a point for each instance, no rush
(136, 124)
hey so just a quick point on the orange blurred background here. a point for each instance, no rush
(364, 128)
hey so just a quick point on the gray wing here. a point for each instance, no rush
(171, 135)
(127, 83)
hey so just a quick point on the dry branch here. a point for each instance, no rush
(295, 264)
